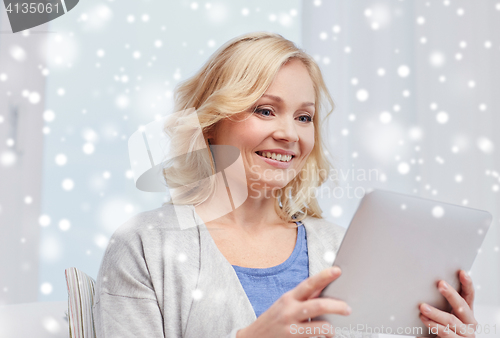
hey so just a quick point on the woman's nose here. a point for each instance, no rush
(286, 130)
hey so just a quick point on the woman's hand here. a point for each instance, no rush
(289, 315)
(460, 322)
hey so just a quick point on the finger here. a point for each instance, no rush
(317, 292)
(467, 289)
(436, 328)
(319, 306)
(310, 286)
(312, 329)
(438, 316)
(460, 307)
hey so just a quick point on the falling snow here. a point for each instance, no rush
(46, 288)
(49, 115)
(437, 59)
(403, 71)
(88, 148)
(197, 294)
(68, 184)
(385, 117)
(44, 220)
(437, 211)
(442, 117)
(84, 137)
(485, 145)
(64, 225)
(362, 95)
(61, 159)
(403, 168)
(329, 257)
(336, 211)
(17, 53)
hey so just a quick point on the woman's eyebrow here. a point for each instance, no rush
(280, 100)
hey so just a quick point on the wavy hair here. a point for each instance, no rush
(231, 81)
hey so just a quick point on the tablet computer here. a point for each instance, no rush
(395, 251)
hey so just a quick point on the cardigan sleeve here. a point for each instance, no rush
(125, 301)
(124, 317)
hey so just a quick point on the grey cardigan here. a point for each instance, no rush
(163, 276)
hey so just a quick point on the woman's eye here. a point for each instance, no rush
(305, 118)
(269, 112)
(264, 111)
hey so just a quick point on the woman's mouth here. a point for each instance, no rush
(275, 156)
(276, 160)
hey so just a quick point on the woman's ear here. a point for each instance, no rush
(208, 137)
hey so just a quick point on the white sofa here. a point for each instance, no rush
(47, 320)
(34, 320)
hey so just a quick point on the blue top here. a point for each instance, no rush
(264, 286)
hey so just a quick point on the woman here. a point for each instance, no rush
(259, 268)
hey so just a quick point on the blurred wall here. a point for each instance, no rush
(414, 84)
(109, 68)
(22, 97)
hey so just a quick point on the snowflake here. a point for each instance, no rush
(64, 224)
(438, 211)
(362, 95)
(336, 211)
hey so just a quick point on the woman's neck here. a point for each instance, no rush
(256, 212)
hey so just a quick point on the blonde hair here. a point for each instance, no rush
(231, 81)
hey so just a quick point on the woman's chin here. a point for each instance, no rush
(268, 186)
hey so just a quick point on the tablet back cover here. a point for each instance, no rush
(393, 254)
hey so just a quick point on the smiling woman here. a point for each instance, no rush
(255, 270)
(278, 134)
(263, 95)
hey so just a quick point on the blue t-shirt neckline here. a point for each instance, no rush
(280, 267)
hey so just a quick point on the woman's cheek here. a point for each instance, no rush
(309, 144)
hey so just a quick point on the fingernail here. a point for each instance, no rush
(334, 270)
(426, 308)
(348, 310)
(444, 286)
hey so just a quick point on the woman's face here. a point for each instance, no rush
(277, 138)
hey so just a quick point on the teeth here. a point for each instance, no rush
(277, 157)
